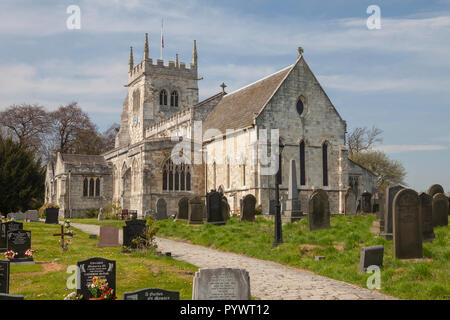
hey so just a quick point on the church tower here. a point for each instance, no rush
(156, 91)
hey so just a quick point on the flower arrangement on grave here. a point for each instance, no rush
(29, 253)
(100, 291)
(10, 254)
(64, 244)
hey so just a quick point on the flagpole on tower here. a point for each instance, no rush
(162, 40)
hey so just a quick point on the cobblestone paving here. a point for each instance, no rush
(269, 280)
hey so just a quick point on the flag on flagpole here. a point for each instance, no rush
(162, 39)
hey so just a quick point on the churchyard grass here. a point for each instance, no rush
(136, 270)
(428, 278)
(95, 221)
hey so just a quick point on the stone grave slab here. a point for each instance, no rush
(371, 256)
(151, 294)
(221, 284)
(109, 237)
(95, 267)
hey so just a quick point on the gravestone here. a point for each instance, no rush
(350, 202)
(319, 211)
(19, 241)
(221, 284)
(16, 215)
(32, 216)
(5, 227)
(132, 230)
(132, 214)
(440, 210)
(4, 276)
(95, 267)
(4, 296)
(196, 211)
(371, 256)
(366, 202)
(151, 294)
(51, 215)
(293, 212)
(161, 210)
(390, 194)
(248, 208)
(435, 189)
(225, 209)
(109, 237)
(426, 212)
(214, 208)
(101, 216)
(407, 225)
(183, 209)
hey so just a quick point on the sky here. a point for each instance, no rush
(396, 78)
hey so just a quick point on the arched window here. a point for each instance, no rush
(91, 187)
(300, 105)
(163, 97)
(325, 163)
(97, 187)
(85, 187)
(174, 99)
(302, 164)
(176, 177)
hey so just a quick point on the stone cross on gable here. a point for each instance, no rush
(223, 86)
(300, 50)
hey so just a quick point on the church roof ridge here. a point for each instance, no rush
(82, 158)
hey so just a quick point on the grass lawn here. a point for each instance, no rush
(107, 222)
(428, 278)
(46, 280)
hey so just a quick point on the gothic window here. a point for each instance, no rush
(91, 187)
(302, 164)
(97, 187)
(300, 106)
(174, 99)
(325, 164)
(176, 177)
(163, 98)
(85, 187)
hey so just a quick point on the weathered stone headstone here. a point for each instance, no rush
(248, 208)
(214, 208)
(4, 296)
(100, 216)
(390, 194)
(20, 241)
(366, 202)
(183, 209)
(95, 267)
(196, 211)
(426, 212)
(293, 210)
(4, 276)
(132, 230)
(319, 211)
(221, 284)
(109, 237)
(225, 209)
(435, 189)
(32, 216)
(440, 210)
(51, 215)
(350, 203)
(407, 225)
(371, 256)
(161, 210)
(5, 227)
(16, 215)
(151, 294)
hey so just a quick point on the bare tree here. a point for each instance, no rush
(363, 139)
(109, 137)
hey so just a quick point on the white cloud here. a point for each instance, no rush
(400, 148)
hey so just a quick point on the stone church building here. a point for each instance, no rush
(171, 145)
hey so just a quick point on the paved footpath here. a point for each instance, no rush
(269, 280)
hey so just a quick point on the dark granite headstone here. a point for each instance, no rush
(435, 189)
(151, 294)
(407, 225)
(4, 229)
(319, 211)
(51, 215)
(183, 209)
(95, 267)
(426, 212)
(440, 210)
(214, 208)
(371, 256)
(4, 276)
(366, 202)
(19, 241)
(132, 230)
(225, 209)
(161, 210)
(196, 211)
(4, 296)
(390, 194)
(109, 237)
(248, 208)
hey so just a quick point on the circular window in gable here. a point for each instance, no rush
(300, 106)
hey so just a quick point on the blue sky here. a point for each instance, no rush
(396, 78)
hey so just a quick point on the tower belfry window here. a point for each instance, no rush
(163, 98)
(174, 99)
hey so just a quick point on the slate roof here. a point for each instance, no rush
(82, 159)
(238, 109)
